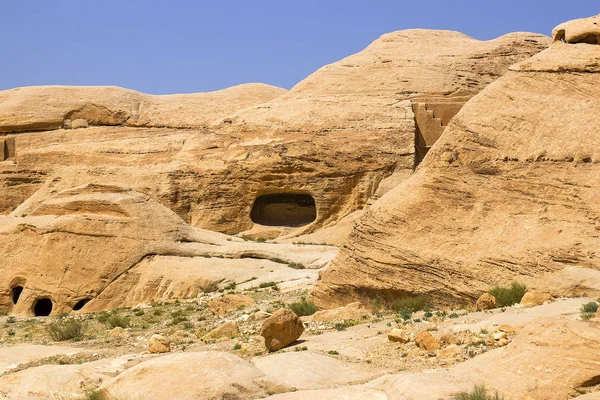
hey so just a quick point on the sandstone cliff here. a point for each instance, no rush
(510, 191)
(344, 135)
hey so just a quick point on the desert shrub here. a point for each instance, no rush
(588, 310)
(479, 392)
(210, 288)
(507, 296)
(590, 307)
(296, 265)
(408, 304)
(303, 307)
(11, 320)
(267, 284)
(138, 312)
(116, 320)
(66, 329)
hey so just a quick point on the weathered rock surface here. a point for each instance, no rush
(109, 247)
(60, 381)
(344, 135)
(345, 393)
(583, 30)
(12, 357)
(305, 370)
(535, 298)
(281, 329)
(486, 302)
(159, 344)
(187, 376)
(426, 341)
(398, 335)
(548, 360)
(223, 305)
(351, 311)
(43, 108)
(228, 329)
(507, 192)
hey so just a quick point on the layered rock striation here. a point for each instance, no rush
(510, 191)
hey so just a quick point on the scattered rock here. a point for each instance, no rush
(486, 302)
(450, 352)
(351, 311)
(228, 329)
(533, 298)
(224, 305)
(500, 335)
(426, 341)
(79, 123)
(281, 329)
(397, 335)
(508, 329)
(502, 342)
(449, 339)
(259, 316)
(159, 344)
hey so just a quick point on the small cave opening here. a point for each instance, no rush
(42, 307)
(284, 209)
(15, 293)
(80, 304)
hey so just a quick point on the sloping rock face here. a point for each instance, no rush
(47, 108)
(336, 138)
(100, 247)
(509, 191)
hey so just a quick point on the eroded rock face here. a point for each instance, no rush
(97, 247)
(206, 375)
(583, 30)
(343, 136)
(508, 191)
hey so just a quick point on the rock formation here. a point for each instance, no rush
(254, 156)
(99, 247)
(509, 192)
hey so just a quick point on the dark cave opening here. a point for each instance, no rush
(42, 307)
(284, 209)
(15, 293)
(80, 304)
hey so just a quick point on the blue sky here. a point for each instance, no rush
(181, 46)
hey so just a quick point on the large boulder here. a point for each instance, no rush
(159, 344)
(281, 329)
(486, 302)
(186, 376)
(508, 192)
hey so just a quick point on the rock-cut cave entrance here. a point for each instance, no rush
(42, 307)
(15, 293)
(284, 209)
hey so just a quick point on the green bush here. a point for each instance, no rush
(590, 307)
(588, 310)
(303, 307)
(66, 329)
(116, 320)
(408, 305)
(479, 392)
(507, 296)
(267, 284)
